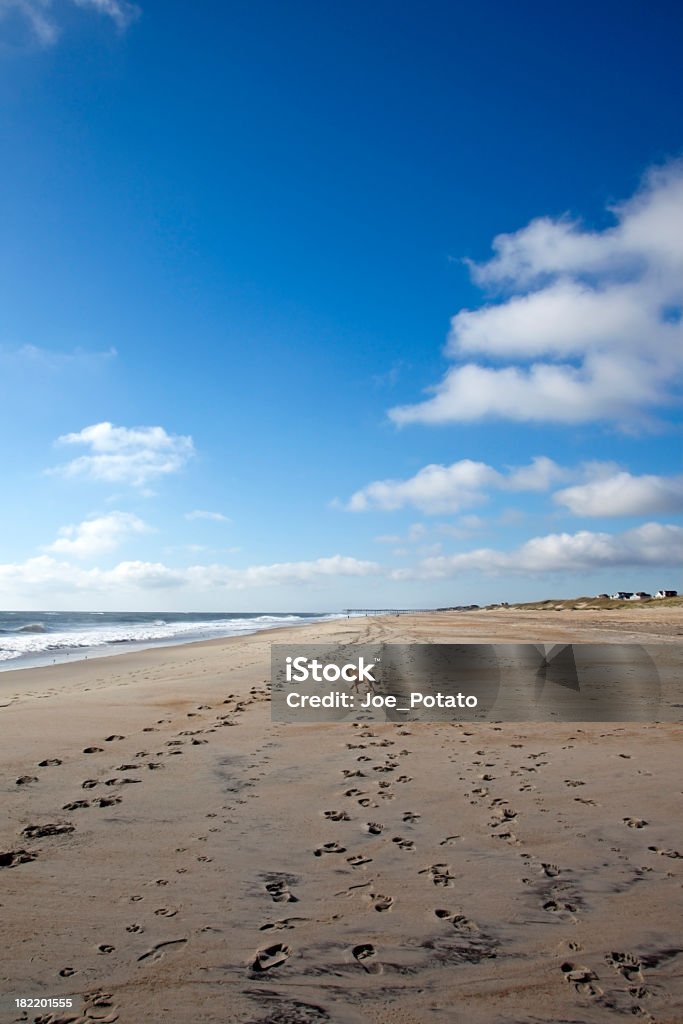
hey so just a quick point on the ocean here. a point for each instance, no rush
(29, 639)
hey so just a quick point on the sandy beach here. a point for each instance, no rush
(167, 853)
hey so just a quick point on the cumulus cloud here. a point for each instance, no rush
(438, 489)
(98, 535)
(590, 328)
(214, 517)
(41, 18)
(46, 573)
(126, 455)
(653, 544)
(622, 494)
(433, 489)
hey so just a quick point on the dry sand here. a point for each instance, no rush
(213, 866)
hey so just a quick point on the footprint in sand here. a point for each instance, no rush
(165, 912)
(76, 805)
(365, 954)
(278, 890)
(10, 858)
(93, 750)
(49, 762)
(380, 903)
(67, 972)
(459, 921)
(374, 828)
(286, 923)
(157, 952)
(329, 848)
(273, 956)
(24, 780)
(105, 948)
(550, 870)
(109, 739)
(51, 829)
(337, 815)
(403, 844)
(358, 861)
(135, 929)
(553, 907)
(409, 817)
(581, 978)
(635, 822)
(107, 801)
(672, 854)
(440, 874)
(628, 965)
(508, 837)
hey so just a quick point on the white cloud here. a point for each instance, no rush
(34, 358)
(41, 17)
(126, 455)
(44, 573)
(433, 489)
(592, 329)
(121, 12)
(462, 527)
(215, 517)
(537, 476)
(34, 14)
(437, 489)
(98, 535)
(654, 544)
(622, 494)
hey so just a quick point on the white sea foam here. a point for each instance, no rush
(24, 642)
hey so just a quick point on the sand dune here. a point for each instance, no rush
(169, 854)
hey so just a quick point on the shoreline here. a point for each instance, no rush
(70, 655)
(259, 871)
(498, 617)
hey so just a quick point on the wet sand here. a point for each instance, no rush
(167, 853)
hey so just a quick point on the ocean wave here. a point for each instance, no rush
(78, 637)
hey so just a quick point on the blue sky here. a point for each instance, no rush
(313, 306)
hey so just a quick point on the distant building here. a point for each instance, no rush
(622, 595)
(666, 593)
(640, 595)
(603, 596)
